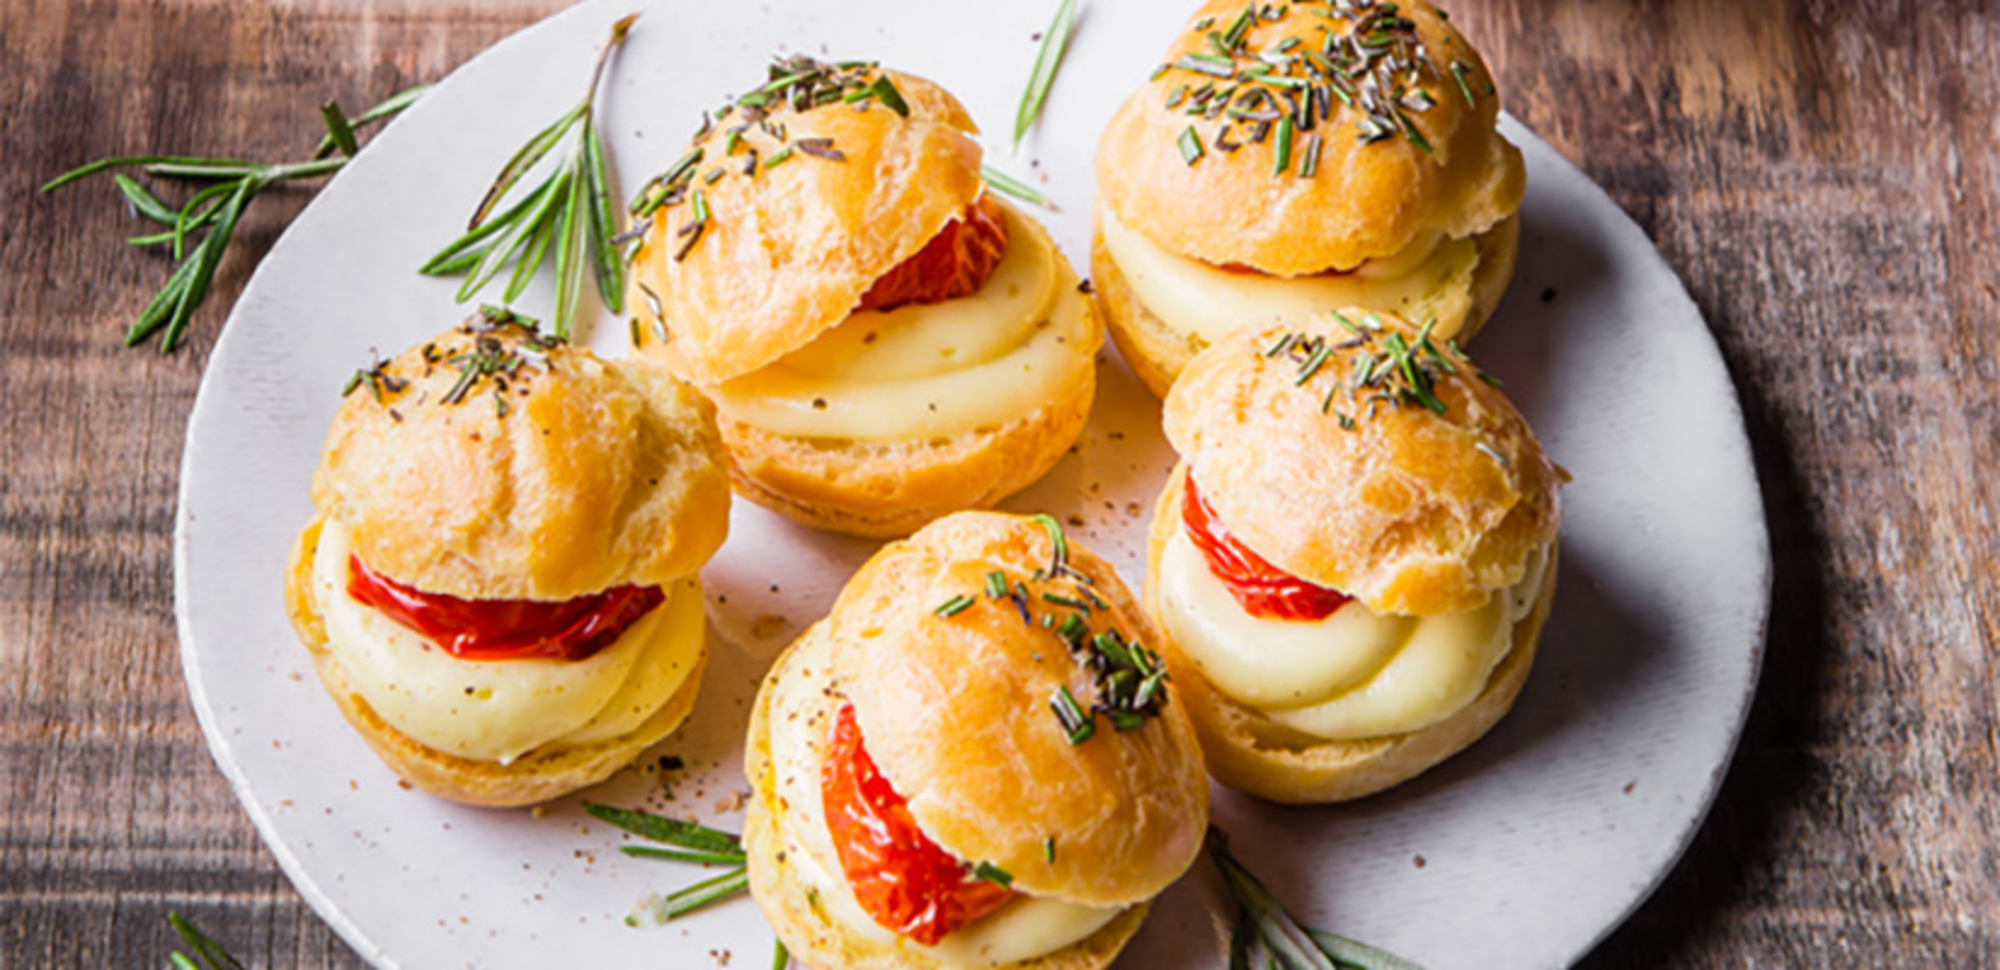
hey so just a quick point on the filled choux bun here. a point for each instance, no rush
(498, 587)
(1354, 558)
(997, 685)
(1298, 157)
(883, 341)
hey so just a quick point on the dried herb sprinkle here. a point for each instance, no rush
(798, 84)
(1368, 56)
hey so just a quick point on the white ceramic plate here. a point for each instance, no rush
(1523, 852)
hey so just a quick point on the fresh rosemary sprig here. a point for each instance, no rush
(212, 955)
(570, 210)
(692, 842)
(214, 212)
(1008, 185)
(1262, 924)
(1055, 42)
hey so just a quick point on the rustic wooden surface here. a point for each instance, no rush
(1824, 175)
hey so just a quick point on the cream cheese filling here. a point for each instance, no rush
(934, 370)
(800, 719)
(1354, 674)
(501, 710)
(1432, 277)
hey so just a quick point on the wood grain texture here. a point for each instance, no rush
(1824, 175)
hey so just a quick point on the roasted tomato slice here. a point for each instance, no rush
(1263, 590)
(506, 629)
(954, 263)
(902, 878)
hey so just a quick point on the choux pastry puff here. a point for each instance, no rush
(883, 339)
(1354, 558)
(1289, 159)
(498, 588)
(975, 761)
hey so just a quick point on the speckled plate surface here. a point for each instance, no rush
(1523, 852)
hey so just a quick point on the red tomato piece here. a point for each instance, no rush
(904, 880)
(954, 263)
(506, 629)
(1263, 590)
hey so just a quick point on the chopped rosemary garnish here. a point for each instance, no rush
(1129, 678)
(217, 209)
(1059, 542)
(1490, 452)
(491, 357)
(1049, 849)
(570, 210)
(1055, 42)
(1309, 162)
(1458, 69)
(798, 84)
(1263, 924)
(988, 872)
(1368, 56)
(378, 380)
(1313, 362)
(1076, 725)
(1384, 366)
(1191, 150)
(1008, 185)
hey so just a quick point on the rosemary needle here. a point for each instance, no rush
(1008, 185)
(1055, 42)
(570, 212)
(672, 831)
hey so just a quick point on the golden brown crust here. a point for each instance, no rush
(814, 938)
(892, 488)
(1249, 753)
(1367, 200)
(789, 252)
(1128, 808)
(1157, 352)
(533, 778)
(1411, 512)
(596, 474)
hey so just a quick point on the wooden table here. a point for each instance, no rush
(1824, 175)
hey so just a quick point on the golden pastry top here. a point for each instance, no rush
(804, 193)
(953, 690)
(1358, 454)
(493, 462)
(1332, 133)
